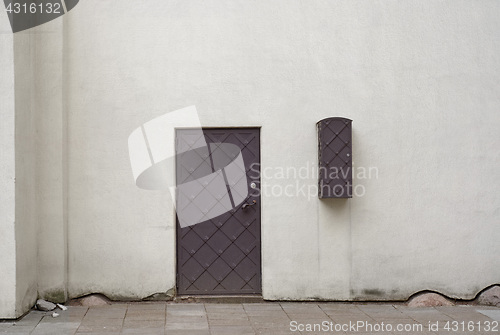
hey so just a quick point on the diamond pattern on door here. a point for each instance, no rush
(221, 255)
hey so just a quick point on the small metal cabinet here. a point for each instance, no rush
(335, 158)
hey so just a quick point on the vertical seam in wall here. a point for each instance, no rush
(65, 154)
(259, 137)
(34, 146)
(350, 252)
(34, 73)
(318, 239)
(174, 213)
(318, 219)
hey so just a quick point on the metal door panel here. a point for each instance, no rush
(221, 255)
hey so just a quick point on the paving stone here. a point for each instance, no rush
(427, 315)
(425, 332)
(306, 319)
(264, 318)
(376, 307)
(283, 326)
(229, 322)
(234, 319)
(53, 328)
(187, 319)
(102, 321)
(156, 315)
(62, 318)
(268, 325)
(395, 321)
(337, 305)
(132, 311)
(311, 310)
(389, 316)
(346, 312)
(225, 312)
(291, 306)
(188, 332)
(114, 306)
(225, 307)
(18, 330)
(186, 326)
(229, 316)
(31, 319)
(492, 314)
(98, 328)
(178, 306)
(274, 324)
(143, 324)
(231, 330)
(106, 314)
(262, 307)
(272, 331)
(463, 314)
(76, 311)
(144, 331)
(147, 307)
(185, 312)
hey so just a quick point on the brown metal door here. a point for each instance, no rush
(222, 255)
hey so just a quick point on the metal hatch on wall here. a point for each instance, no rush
(335, 157)
(220, 254)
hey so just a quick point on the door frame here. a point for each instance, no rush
(176, 129)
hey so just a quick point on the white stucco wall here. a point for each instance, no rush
(51, 157)
(18, 238)
(420, 79)
(7, 174)
(25, 169)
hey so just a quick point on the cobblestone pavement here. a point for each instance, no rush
(258, 318)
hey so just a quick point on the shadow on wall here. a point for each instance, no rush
(337, 205)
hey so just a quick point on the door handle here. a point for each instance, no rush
(245, 205)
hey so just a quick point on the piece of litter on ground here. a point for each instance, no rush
(55, 315)
(62, 307)
(46, 306)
